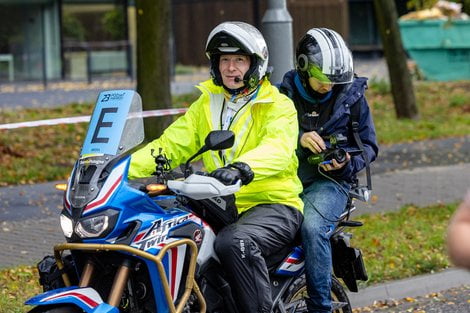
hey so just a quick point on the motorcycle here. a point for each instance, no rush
(146, 246)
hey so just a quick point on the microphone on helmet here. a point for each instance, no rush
(239, 80)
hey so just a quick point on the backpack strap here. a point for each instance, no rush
(354, 122)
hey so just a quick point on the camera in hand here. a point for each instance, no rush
(330, 153)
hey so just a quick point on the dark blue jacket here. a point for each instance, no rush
(337, 123)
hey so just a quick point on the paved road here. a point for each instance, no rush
(27, 95)
(34, 95)
(421, 173)
(399, 295)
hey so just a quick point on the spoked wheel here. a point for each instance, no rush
(65, 308)
(294, 301)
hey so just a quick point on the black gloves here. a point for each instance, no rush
(229, 174)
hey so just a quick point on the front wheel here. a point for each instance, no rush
(294, 299)
(65, 308)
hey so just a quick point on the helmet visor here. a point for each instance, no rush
(333, 68)
(225, 44)
(315, 72)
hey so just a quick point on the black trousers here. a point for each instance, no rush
(244, 246)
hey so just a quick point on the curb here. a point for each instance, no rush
(410, 287)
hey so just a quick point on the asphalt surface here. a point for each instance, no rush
(422, 173)
(33, 95)
(36, 95)
(451, 300)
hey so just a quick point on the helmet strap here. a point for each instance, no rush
(235, 92)
(251, 81)
(214, 71)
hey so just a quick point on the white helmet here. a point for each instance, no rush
(323, 54)
(238, 38)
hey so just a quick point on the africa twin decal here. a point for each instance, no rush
(157, 233)
(156, 236)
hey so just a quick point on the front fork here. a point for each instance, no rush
(124, 269)
(120, 280)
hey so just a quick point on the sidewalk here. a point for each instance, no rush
(34, 95)
(410, 287)
(422, 186)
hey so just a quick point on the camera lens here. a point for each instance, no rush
(340, 155)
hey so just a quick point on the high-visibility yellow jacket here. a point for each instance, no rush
(266, 131)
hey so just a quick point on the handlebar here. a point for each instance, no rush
(200, 187)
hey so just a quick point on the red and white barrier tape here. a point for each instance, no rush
(81, 119)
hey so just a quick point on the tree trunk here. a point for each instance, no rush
(400, 77)
(153, 66)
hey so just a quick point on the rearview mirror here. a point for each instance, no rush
(219, 140)
(215, 140)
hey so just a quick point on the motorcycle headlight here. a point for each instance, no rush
(92, 227)
(66, 225)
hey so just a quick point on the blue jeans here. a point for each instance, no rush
(324, 202)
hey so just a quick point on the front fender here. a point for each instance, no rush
(86, 298)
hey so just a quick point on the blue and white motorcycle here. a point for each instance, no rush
(147, 245)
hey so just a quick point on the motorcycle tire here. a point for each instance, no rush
(294, 299)
(66, 308)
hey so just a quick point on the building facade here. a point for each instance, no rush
(49, 40)
(63, 39)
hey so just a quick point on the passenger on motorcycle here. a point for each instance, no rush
(240, 98)
(326, 94)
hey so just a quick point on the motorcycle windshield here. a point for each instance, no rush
(116, 124)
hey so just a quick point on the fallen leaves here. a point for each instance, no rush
(453, 300)
(16, 285)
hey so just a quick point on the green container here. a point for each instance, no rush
(440, 48)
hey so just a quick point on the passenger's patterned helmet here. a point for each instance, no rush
(322, 54)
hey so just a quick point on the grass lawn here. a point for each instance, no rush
(17, 285)
(405, 243)
(444, 112)
(395, 245)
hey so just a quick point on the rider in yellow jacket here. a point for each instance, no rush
(265, 138)
(240, 98)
